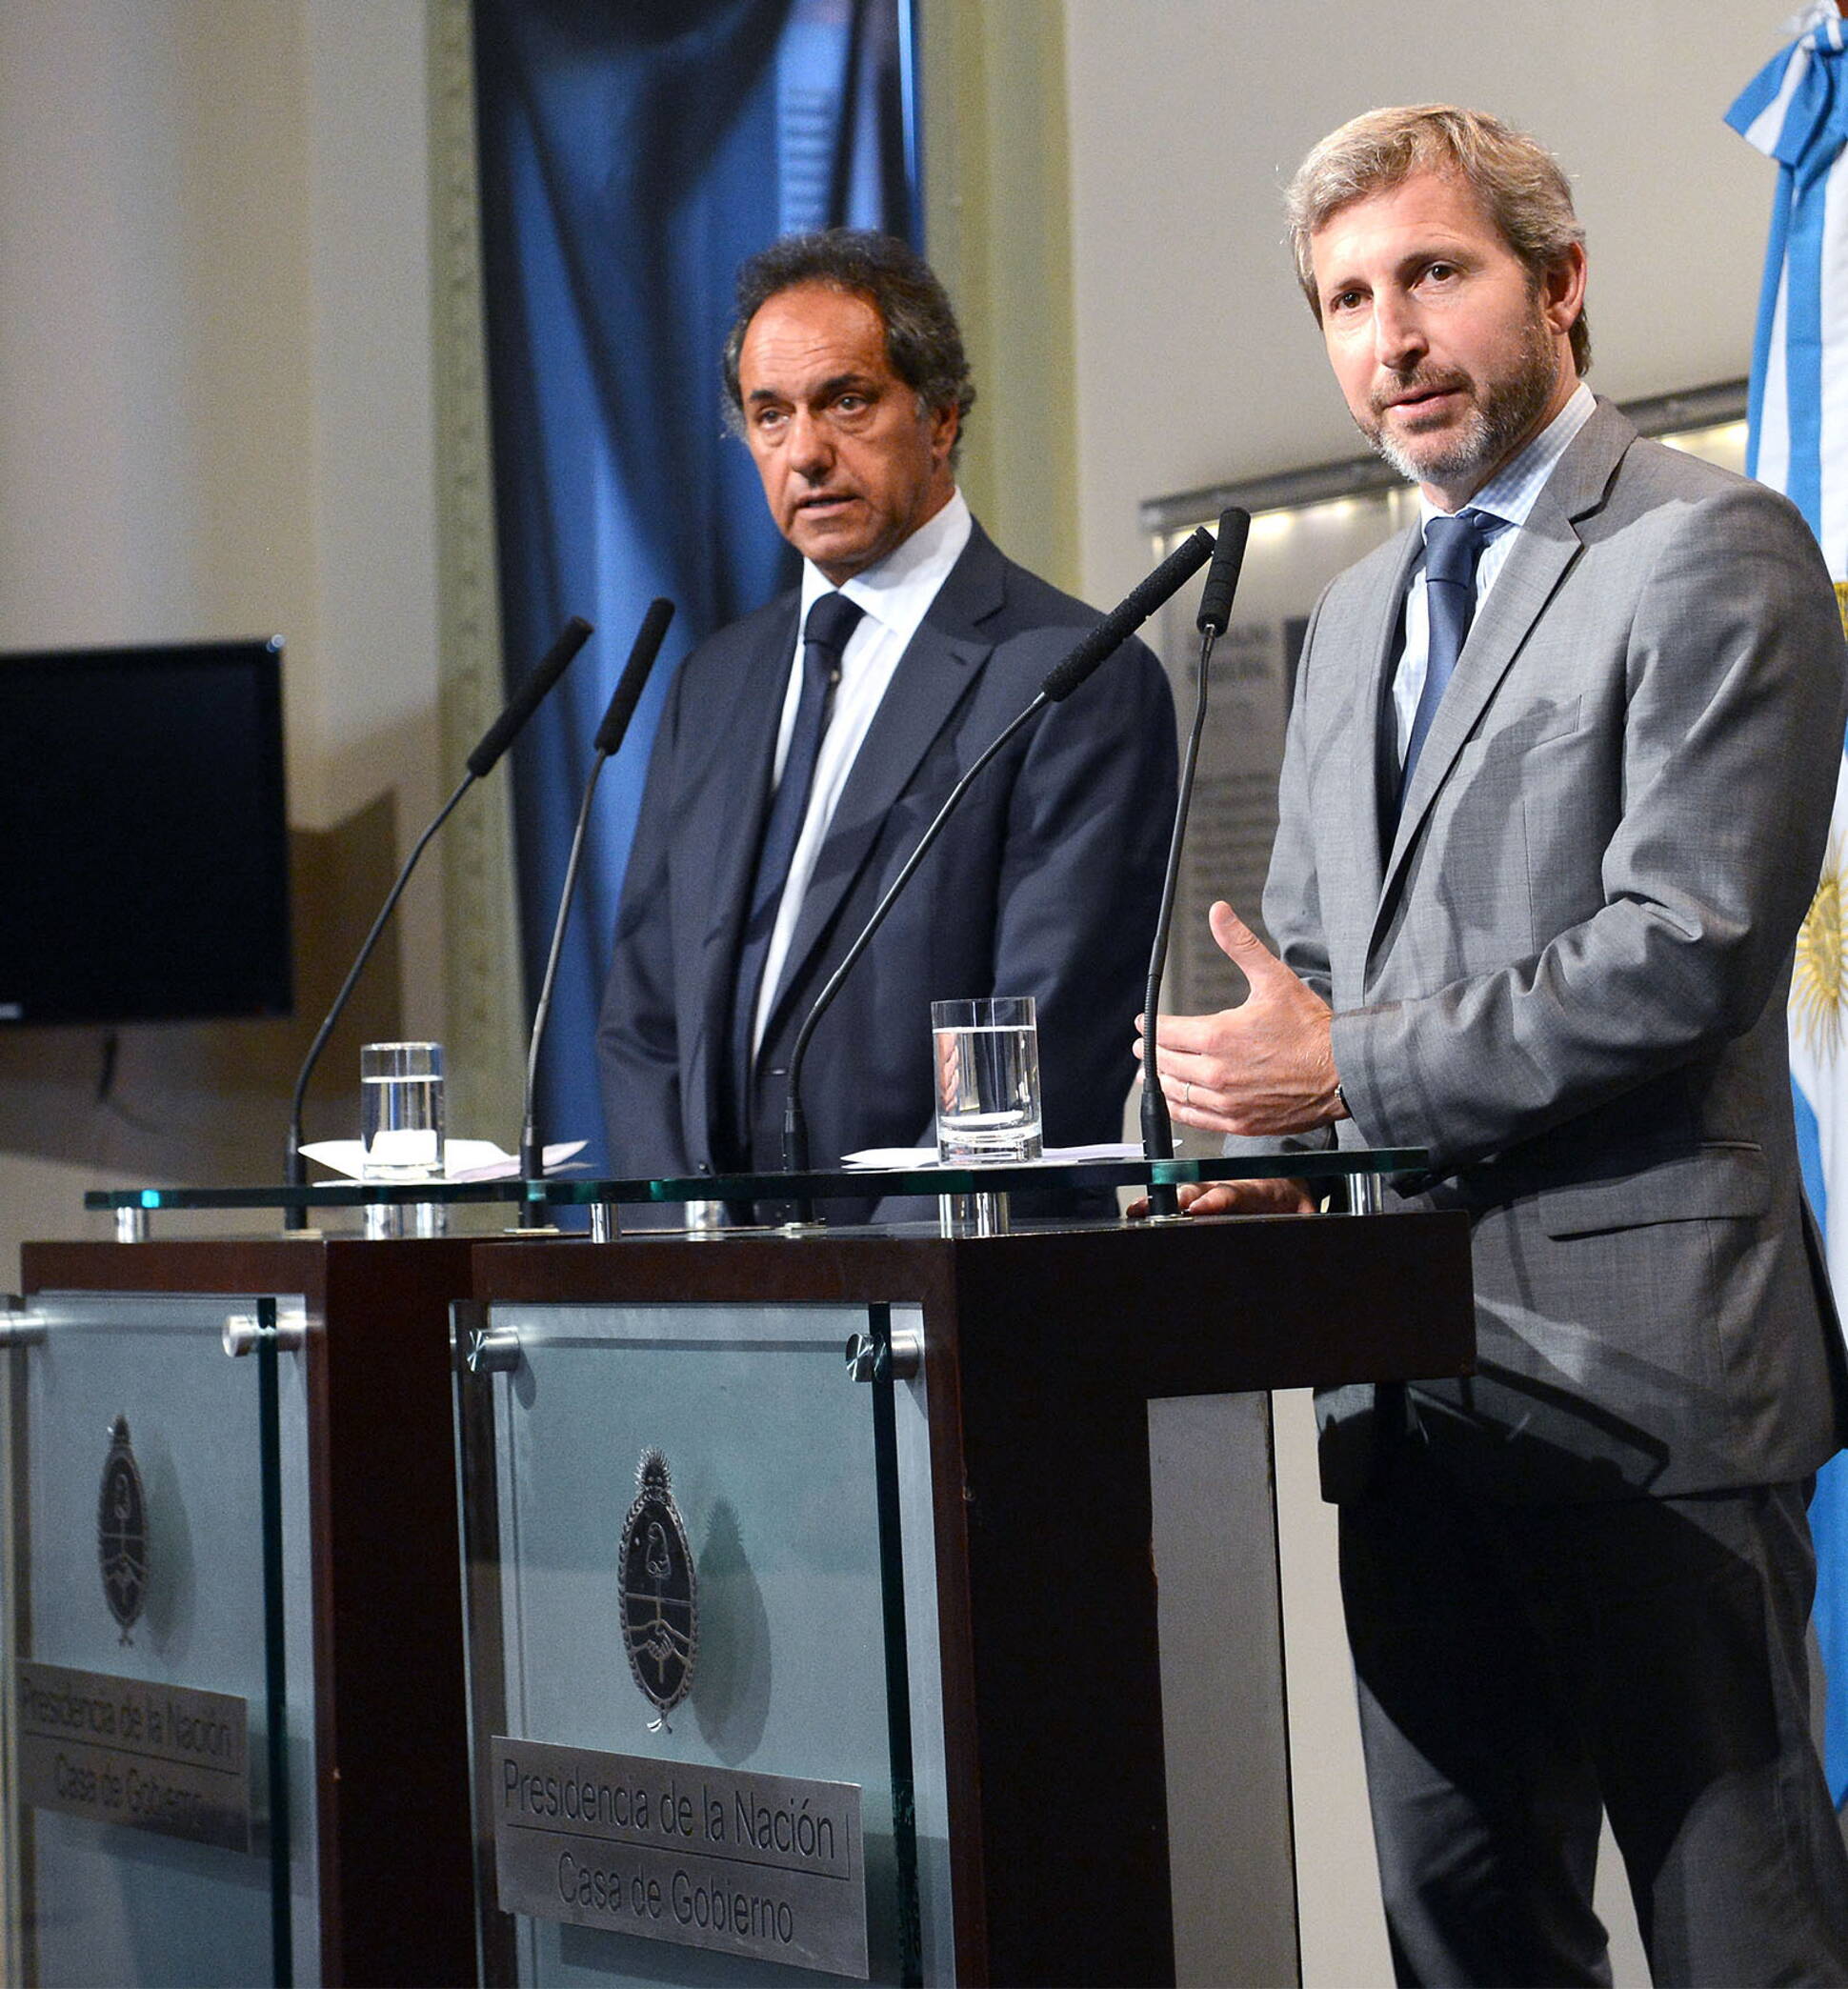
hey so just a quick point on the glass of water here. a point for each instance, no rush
(401, 1114)
(987, 1080)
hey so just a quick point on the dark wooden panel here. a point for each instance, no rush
(1305, 1300)
(394, 1616)
(838, 1267)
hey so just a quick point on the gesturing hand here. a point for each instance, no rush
(1263, 1068)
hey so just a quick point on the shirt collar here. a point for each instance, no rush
(922, 562)
(1510, 494)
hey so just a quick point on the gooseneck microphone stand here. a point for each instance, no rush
(1216, 612)
(621, 709)
(495, 741)
(1103, 641)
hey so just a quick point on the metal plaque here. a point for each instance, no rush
(763, 1865)
(149, 1757)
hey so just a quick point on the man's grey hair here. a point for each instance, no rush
(923, 341)
(1519, 185)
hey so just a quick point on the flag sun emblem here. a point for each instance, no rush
(1816, 985)
(122, 1531)
(656, 1587)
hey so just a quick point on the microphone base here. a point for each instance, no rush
(803, 1226)
(1164, 1204)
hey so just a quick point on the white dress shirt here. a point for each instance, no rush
(895, 595)
(1509, 496)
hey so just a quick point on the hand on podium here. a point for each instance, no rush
(1274, 1197)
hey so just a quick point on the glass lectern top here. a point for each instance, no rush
(576, 1190)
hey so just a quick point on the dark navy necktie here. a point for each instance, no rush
(830, 621)
(1451, 549)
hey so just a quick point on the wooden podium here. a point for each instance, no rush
(1012, 1578)
(371, 1883)
(1047, 1592)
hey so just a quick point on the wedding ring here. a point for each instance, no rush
(1186, 1096)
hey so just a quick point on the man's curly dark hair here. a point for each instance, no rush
(923, 341)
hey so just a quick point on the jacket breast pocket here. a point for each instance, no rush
(1539, 723)
(1722, 1179)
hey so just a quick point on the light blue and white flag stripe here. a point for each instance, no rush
(1795, 110)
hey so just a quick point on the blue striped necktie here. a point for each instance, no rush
(1451, 549)
(830, 621)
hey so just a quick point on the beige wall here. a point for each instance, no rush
(997, 208)
(215, 406)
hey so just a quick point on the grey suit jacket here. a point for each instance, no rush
(1566, 976)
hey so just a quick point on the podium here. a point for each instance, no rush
(958, 1543)
(288, 1419)
(937, 1680)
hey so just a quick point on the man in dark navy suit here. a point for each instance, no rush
(804, 749)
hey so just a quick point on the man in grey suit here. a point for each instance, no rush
(1553, 801)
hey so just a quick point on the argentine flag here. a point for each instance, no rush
(1796, 110)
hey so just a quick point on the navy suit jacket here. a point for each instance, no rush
(1046, 882)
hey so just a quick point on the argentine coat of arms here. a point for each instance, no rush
(658, 1591)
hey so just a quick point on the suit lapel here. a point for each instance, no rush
(1547, 545)
(940, 663)
(1364, 798)
(727, 822)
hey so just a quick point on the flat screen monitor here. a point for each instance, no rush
(144, 841)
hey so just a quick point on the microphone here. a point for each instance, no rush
(1134, 609)
(1216, 612)
(495, 741)
(609, 733)
(628, 694)
(527, 699)
(1064, 677)
(1222, 575)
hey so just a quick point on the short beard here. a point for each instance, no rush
(1504, 417)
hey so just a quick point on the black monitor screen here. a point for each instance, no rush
(143, 842)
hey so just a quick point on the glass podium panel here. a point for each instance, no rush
(161, 1800)
(689, 1698)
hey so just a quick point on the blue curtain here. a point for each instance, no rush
(632, 153)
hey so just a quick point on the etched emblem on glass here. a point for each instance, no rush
(122, 1531)
(657, 1591)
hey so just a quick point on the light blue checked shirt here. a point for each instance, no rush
(1508, 495)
